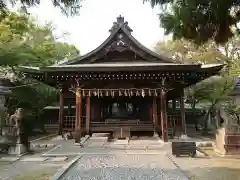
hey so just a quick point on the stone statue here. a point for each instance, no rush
(15, 121)
(14, 134)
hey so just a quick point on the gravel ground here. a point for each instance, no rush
(124, 167)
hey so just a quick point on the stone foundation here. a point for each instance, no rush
(17, 149)
(227, 142)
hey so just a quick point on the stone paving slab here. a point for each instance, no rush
(9, 159)
(99, 138)
(100, 134)
(146, 142)
(58, 159)
(137, 146)
(121, 142)
(34, 159)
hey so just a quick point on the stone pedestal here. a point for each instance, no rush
(227, 141)
(155, 134)
(17, 149)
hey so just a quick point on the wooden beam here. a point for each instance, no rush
(78, 123)
(60, 115)
(88, 114)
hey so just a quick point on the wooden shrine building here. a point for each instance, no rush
(121, 87)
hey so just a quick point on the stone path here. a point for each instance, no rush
(20, 168)
(120, 162)
(100, 145)
(30, 163)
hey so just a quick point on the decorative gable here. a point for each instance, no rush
(120, 42)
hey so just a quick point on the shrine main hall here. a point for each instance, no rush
(121, 87)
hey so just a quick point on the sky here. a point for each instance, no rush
(88, 30)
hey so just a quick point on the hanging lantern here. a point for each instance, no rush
(89, 93)
(155, 92)
(83, 93)
(143, 93)
(125, 93)
(149, 93)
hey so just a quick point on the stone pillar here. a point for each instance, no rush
(163, 115)
(182, 114)
(60, 115)
(78, 131)
(88, 114)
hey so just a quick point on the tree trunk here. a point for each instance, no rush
(194, 114)
(205, 128)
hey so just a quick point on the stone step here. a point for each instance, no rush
(58, 159)
(33, 159)
(43, 145)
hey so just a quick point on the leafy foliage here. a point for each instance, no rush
(234, 111)
(23, 42)
(212, 91)
(187, 52)
(199, 20)
(68, 7)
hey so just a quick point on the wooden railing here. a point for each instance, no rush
(69, 122)
(133, 125)
(173, 120)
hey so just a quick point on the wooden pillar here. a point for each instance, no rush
(182, 113)
(88, 114)
(60, 115)
(154, 114)
(163, 115)
(78, 115)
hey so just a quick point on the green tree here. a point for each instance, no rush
(23, 42)
(185, 51)
(211, 91)
(199, 21)
(68, 7)
(26, 43)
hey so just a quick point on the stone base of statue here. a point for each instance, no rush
(17, 149)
